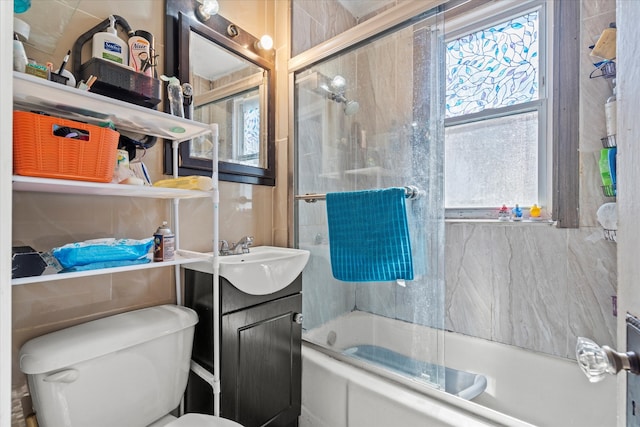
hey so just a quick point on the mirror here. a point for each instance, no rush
(233, 86)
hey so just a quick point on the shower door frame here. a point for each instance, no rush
(382, 25)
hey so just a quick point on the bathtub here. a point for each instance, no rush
(523, 388)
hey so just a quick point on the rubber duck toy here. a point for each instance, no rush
(534, 211)
(517, 213)
(503, 213)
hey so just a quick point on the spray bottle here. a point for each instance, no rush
(174, 93)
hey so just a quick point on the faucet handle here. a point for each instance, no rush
(223, 247)
(246, 242)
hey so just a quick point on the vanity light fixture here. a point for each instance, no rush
(232, 31)
(265, 43)
(206, 9)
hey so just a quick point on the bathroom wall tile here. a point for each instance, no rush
(421, 302)
(533, 313)
(592, 281)
(377, 297)
(591, 8)
(301, 23)
(325, 297)
(239, 205)
(469, 279)
(141, 14)
(591, 193)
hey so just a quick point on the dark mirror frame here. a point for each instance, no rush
(180, 21)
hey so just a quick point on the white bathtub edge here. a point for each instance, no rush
(434, 405)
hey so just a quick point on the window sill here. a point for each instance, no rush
(526, 222)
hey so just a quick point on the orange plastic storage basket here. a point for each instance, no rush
(38, 152)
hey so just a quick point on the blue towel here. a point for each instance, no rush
(369, 236)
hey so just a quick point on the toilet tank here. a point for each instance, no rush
(124, 370)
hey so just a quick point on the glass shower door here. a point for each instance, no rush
(372, 117)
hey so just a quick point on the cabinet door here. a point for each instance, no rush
(261, 374)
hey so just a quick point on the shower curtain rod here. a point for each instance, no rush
(411, 192)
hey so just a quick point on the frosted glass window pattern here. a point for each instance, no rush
(494, 67)
(495, 121)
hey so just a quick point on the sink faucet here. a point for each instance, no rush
(240, 247)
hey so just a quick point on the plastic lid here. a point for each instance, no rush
(93, 339)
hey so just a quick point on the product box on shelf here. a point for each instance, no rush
(26, 262)
(51, 147)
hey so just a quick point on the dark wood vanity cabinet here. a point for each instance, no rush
(260, 352)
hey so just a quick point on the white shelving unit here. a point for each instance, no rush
(34, 94)
(61, 186)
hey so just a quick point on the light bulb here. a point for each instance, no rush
(207, 9)
(266, 42)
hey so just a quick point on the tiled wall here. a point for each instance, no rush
(539, 287)
(533, 285)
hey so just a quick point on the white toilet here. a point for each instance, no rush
(127, 370)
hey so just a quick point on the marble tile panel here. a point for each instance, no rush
(592, 8)
(592, 281)
(530, 275)
(301, 23)
(377, 297)
(469, 282)
(422, 302)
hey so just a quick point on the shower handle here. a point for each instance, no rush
(596, 361)
(297, 318)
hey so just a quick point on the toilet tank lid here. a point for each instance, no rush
(93, 339)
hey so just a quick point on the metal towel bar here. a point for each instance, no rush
(411, 192)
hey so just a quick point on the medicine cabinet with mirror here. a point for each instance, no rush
(233, 85)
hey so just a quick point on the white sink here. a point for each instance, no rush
(265, 270)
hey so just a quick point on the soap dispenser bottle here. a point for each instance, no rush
(107, 45)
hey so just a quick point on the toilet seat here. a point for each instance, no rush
(202, 420)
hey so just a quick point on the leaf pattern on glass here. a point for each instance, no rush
(493, 68)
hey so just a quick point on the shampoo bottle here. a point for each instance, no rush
(107, 45)
(140, 52)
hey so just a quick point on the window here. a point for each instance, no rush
(496, 114)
